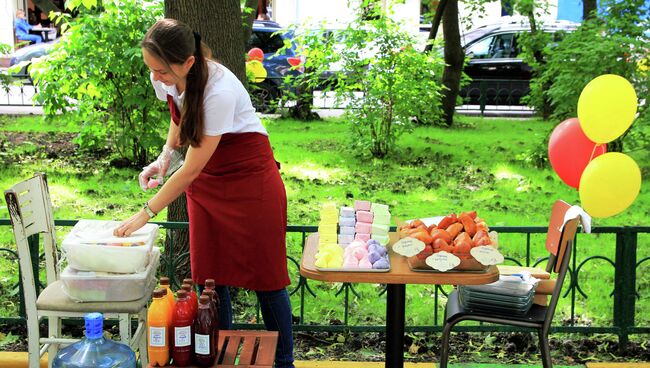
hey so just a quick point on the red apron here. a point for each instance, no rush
(237, 211)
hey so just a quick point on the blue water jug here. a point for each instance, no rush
(94, 351)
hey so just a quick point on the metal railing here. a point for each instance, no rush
(624, 264)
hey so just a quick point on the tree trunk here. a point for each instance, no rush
(454, 58)
(433, 32)
(589, 9)
(220, 25)
(248, 23)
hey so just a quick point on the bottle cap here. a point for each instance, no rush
(158, 293)
(94, 325)
(209, 283)
(181, 294)
(204, 299)
(187, 287)
(164, 280)
(188, 281)
(164, 291)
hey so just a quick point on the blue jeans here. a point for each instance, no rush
(276, 312)
(31, 38)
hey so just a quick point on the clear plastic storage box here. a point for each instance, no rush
(91, 286)
(91, 246)
(506, 296)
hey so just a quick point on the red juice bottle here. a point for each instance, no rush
(210, 285)
(191, 297)
(182, 330)
(215, 313)
(204, 334)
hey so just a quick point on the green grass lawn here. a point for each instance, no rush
(477, 166)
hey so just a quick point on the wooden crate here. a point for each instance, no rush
(254, 349)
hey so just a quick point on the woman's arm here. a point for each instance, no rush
(173, 141)
(195, 160)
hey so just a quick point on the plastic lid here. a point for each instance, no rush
(181, 294)
(209, 283)
(204, 299)
(188, 281)
(158, 293)
(94, 325)
(164, 280)
(207, 292)
(187, 287)
(164, 291)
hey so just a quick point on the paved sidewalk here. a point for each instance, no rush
(19, 360)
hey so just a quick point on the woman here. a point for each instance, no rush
(236, 200)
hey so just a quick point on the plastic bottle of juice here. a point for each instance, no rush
(204, 334)
(168, 308)
(191, 295)
(215, 316)
(182, 327)
(164, 283)
(157, 328)
(210, 285)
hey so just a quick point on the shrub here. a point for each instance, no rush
(95, 77)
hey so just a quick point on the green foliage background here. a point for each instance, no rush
(95, 77)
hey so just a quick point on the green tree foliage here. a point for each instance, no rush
(612, 43)
(377, 75)
(95, 77)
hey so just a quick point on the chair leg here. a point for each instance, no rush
(142, 343)
(53, 330)
(33, 343)
(125, 328)
(545, 350)
(444, 349)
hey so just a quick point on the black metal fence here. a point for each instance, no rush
(626, 270)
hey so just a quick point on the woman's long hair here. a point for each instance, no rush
(172, 42)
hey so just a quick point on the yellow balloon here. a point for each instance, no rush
(257, 69)
(606, 107)
(609, 184)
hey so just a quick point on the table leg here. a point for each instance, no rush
(395, 301)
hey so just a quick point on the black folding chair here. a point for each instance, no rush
(559, 242)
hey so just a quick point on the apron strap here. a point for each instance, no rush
(173, 110)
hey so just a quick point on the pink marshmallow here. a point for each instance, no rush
(362, 237)
(359, 253)
(362, 205)
(350, 262)
(363, 227)
(365, 263)
(365, 216)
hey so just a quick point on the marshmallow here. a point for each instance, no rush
(347, 230)
(365, 263)
(346, 212)
(364, 216)
(379, 229)
(362, 237)
(381, 264)
(373, 257)
(350, 262)
(360, 252)
(362, 205)
(382, 239)
(378, 207)
(346, 239)
(382, 218)
(363, 227)
(347, 221)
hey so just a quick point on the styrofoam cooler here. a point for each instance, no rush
(91, 246)
(91, 286)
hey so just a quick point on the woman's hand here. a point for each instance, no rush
(135, 222)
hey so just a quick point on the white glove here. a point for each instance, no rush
(157, 168)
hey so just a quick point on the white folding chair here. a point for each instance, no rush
(30, 210)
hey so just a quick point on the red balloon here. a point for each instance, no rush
(570, 151)
(294, 61)
(256, 54)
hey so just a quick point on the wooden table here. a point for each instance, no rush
(396, 279)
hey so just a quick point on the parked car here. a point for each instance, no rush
(24, 56)
(270, 37)
(495, 67)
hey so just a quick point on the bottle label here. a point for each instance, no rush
(202, 344)
(157, 336)
(182, 336)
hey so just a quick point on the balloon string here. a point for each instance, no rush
(593, 152)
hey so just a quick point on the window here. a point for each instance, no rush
(269, 42)
(500, 46)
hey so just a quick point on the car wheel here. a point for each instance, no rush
(265, 97)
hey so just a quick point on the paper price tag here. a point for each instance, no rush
(408, 247)
(487, 255)
(442, 261)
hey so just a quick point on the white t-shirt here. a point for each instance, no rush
(227, 106)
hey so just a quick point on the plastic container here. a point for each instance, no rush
(158, 325)
(95, 351)
(91, 246)
(91, 286)
(506, 296)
